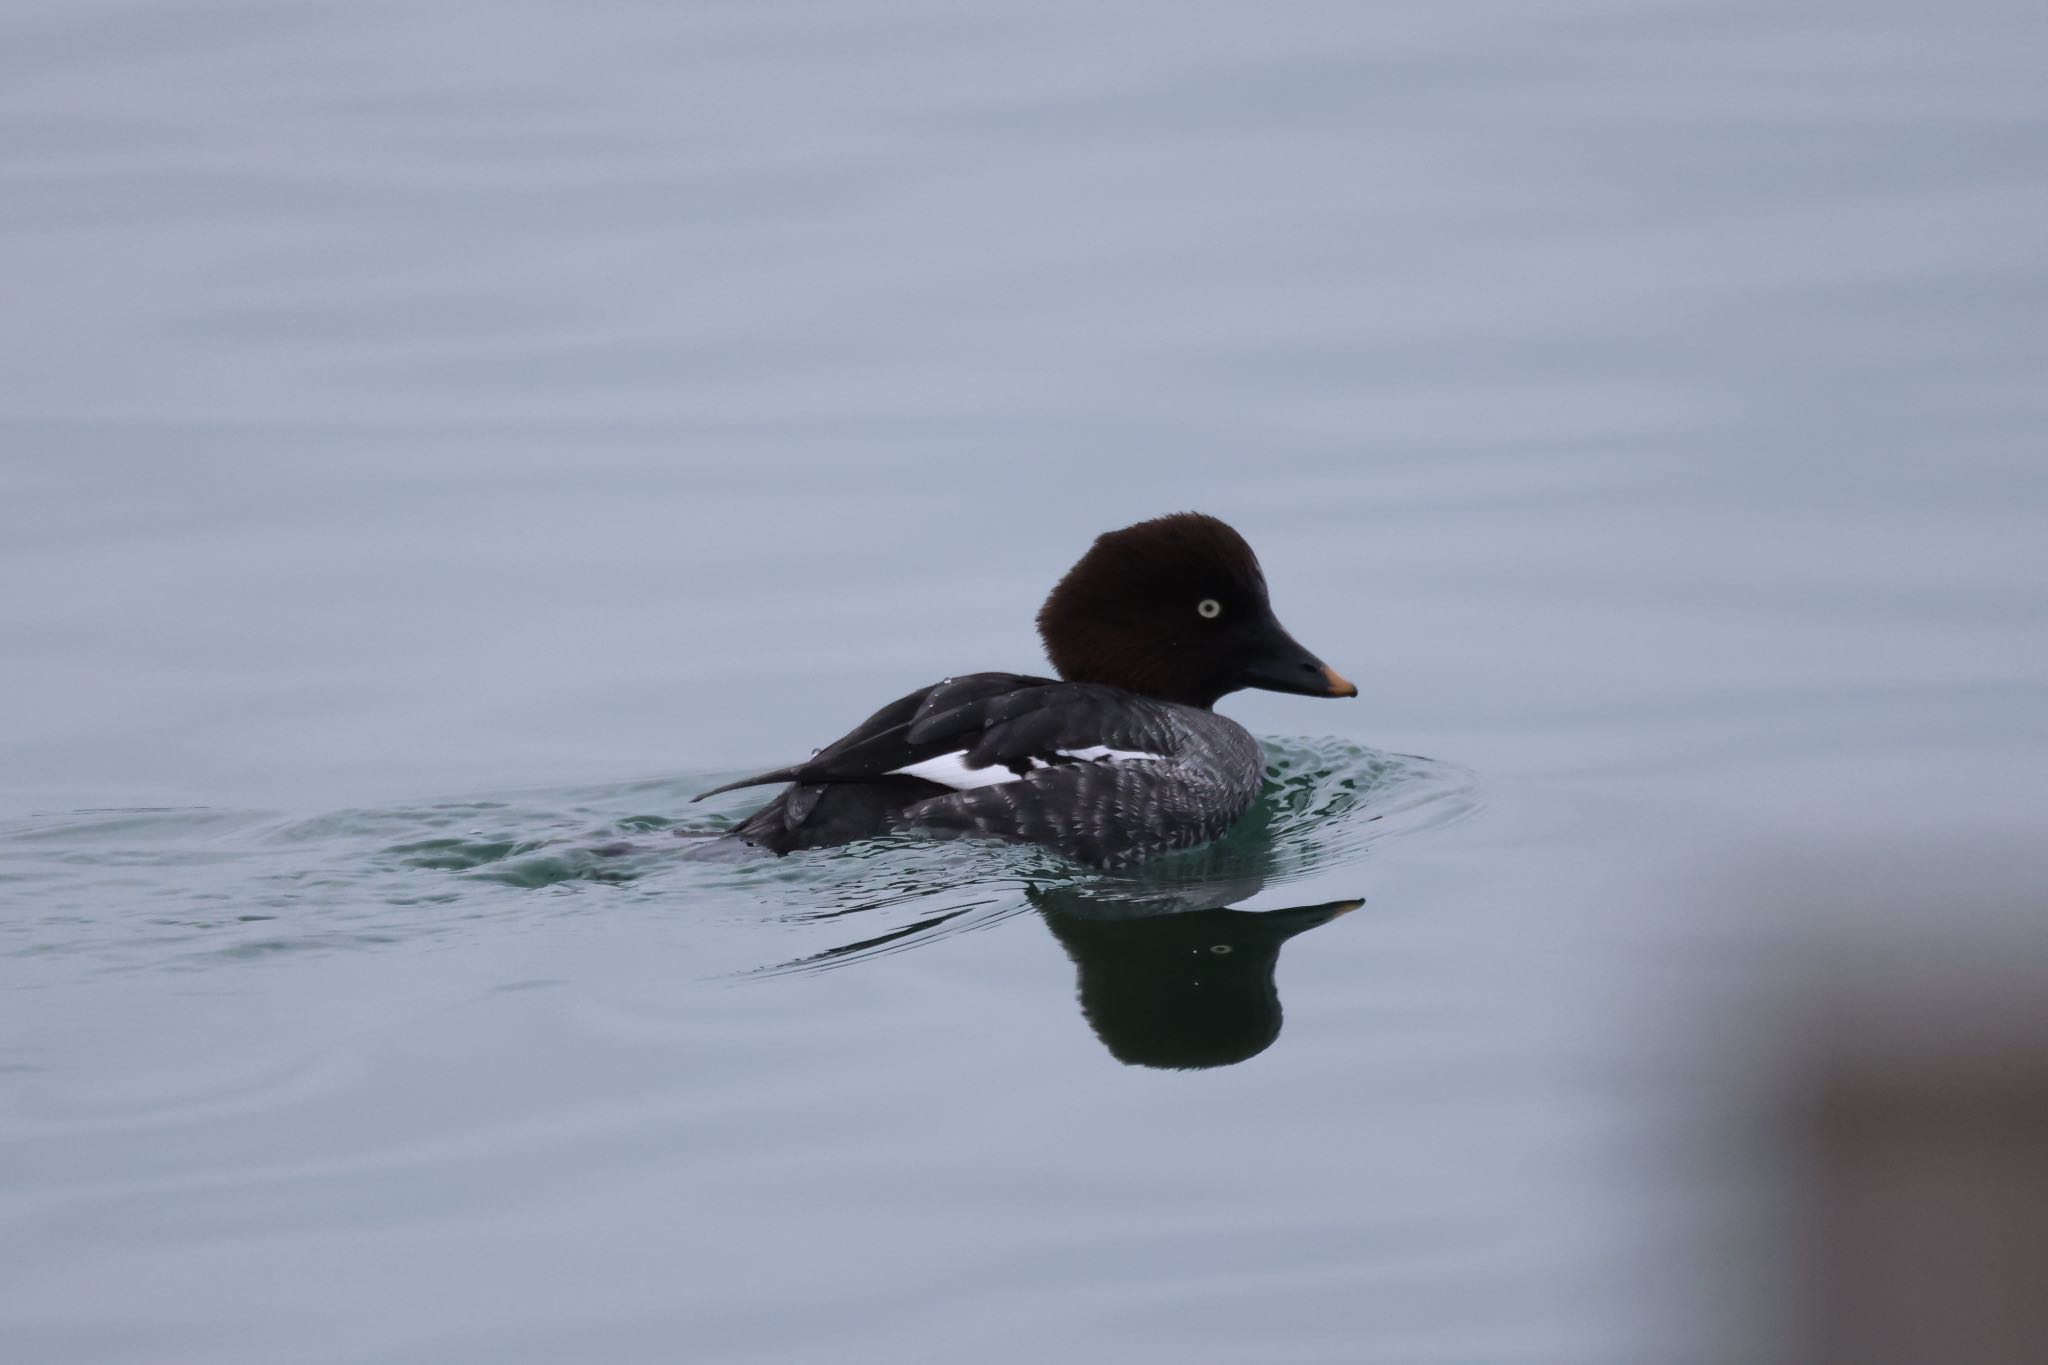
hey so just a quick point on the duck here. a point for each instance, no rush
(1120, 758)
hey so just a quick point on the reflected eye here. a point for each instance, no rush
(1208, 609)
(1219, 948)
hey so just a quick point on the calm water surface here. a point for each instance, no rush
(436, 440)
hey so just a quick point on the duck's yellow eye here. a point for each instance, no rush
(1208, 609)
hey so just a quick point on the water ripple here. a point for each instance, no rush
(154, 888)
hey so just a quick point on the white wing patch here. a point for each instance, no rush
(951, 770)
(1102, 753)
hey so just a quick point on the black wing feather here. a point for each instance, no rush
(1102, 813)
(931, 721)
(995, 719)
(1029, 728)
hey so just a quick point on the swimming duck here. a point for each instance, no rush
(1119, 759)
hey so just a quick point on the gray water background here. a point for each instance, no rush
(436, 439)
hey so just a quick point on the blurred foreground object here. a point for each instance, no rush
(1924, 1117)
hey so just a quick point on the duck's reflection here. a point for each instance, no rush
(1168, 975)
(1180, 989)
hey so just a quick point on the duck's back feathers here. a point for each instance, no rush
(983, 729)
(1094, 771)
(888, 728)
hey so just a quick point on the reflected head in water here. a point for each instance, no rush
(1185, 990)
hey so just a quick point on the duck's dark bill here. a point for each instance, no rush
(1290, 668)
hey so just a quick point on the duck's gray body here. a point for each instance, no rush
(1098, 774)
